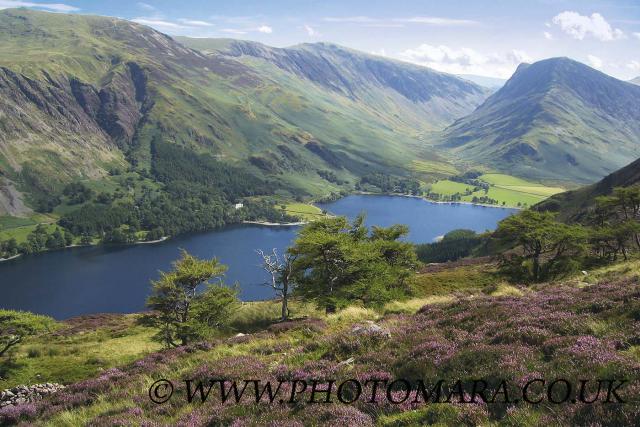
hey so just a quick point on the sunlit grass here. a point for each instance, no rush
(507, 190)
(304, 211)
(413, 305)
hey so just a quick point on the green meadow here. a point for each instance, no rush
(508, 190)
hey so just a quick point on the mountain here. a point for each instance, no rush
(635, 81)
(556, 119)
(493, 83)
(573, 205)
(82, 95)
(426, 98)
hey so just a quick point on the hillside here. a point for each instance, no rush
(96, 93)
(572, 205)
(556, 119)
(465, 326)
(424, 97)
(635, 81)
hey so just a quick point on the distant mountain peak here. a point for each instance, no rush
(635, 81)
(554, 119)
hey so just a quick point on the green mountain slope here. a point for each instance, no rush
(573, 205)
(556, 119)
(424, 98)
(95, 93)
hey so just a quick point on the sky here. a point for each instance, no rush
(488, 38)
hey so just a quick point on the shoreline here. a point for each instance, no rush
(292, 224)
(276, 224)
(10, 258)
(150, 242)
(486, 205)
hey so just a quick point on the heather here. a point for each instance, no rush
(584, 327)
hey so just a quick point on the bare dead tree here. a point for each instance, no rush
(280, 268)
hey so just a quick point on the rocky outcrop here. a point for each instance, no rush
(24, 394)
(119, 105)
(67, 125)
(42, 122)
(370, 329)
(37, 106)
(11, 200)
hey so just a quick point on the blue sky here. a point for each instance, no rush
(475, 37)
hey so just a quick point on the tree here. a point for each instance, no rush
(181, 313)
(77, 193)
(36, 240)
(68, 238)
(550, 247)
(155, 234)
(15, 326)
(211, 311)
(338, 262)
(616, 219)
(56, 240)
(322, 268)
(8, 247)
(281, 271)
(609, 240)
(454, 245)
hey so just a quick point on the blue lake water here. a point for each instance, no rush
(116, 279)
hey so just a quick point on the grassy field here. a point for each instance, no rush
(447, 187)
(304, 211)
(20, 233)
(507, 190)
(80, 349)
(7, 222)
(520, 185)
(433, 167)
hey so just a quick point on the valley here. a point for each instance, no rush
(137, 117)
(197, 210)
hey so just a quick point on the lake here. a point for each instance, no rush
(116, 279)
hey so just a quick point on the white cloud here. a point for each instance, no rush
(434, 20)
(262, 29)
(634, 65)
(351, 19)
(465, 60)
(56, 7)
(396, 22)
(548, 35)
(636, 35)
(594, 61)
(580, 26)
(379, 52)
(311, 32)
(235, 19)
(384, 25)
(233, 31)
(195, 23)
(146, 6)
